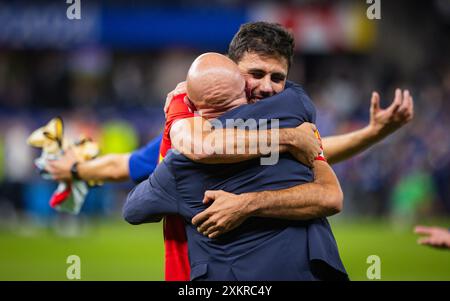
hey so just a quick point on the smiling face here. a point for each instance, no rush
(264, 75)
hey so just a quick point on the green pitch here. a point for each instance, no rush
(114, 250)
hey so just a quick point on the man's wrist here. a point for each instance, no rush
(287, 137)
(372, 133)
(252, 200)
(74, 172)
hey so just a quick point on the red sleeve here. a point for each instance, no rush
(177, 110)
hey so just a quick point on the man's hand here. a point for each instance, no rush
(382, 123)
(305, 146)
(179, 89)
(60, 168)
(435, 236)
(226, 212)
(400, 112)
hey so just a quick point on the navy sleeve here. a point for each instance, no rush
(144, 160)
(150, 200)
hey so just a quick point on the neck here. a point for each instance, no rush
(217, 110)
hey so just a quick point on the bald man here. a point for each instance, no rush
(215, 85)
(262, 247)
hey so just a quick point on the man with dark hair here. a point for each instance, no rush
(265, 39)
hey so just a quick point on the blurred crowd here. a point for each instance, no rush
(116, 97)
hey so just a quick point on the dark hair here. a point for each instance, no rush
(264, 38)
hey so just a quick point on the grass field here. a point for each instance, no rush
(114, 250)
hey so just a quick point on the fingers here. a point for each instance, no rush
(397, 101)
(212, 229)
(209, 197)
(179, 89)
(423, 230)
(50, 167)
(53, 172)
(405, 102)
(375, 102)
(406, 110)
(411, 108)
(214, 234)
(69, 153)
(206, 226)
(424, 241)
(168, 101)
(200, 218)
(431, 241)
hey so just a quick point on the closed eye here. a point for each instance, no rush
(257, 74)
(277, 77)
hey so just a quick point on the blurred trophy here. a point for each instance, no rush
(68, 196)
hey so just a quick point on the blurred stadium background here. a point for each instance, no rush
(108, 74)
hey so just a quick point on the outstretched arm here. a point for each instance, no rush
(321, 198)
(111, 167)
(383, 122)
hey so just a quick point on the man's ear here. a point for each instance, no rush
(190, 104)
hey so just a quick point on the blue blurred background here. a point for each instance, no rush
(108, 74)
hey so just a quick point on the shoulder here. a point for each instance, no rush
(299, 91)
(177, 107)
(149, 152)
(142, 162)
(178, 110)
(302, 97)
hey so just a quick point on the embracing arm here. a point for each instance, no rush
(150, 200)
(138, 209)
(321, 198)
(383, 122)
(199, 141)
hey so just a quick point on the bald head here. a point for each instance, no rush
(214, 81)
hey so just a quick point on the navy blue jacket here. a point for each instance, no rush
(260, 248)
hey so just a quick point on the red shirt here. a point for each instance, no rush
(177, 266)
